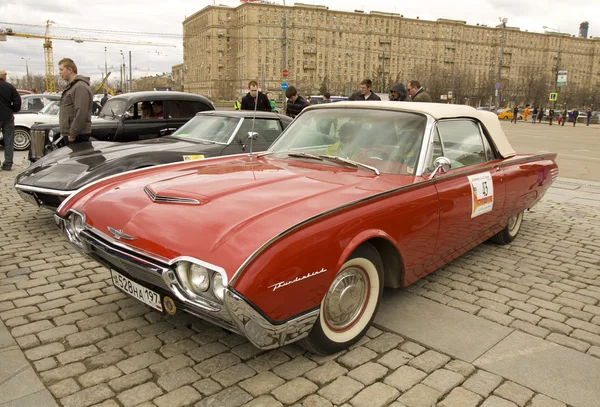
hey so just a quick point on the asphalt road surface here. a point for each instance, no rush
(578, 147)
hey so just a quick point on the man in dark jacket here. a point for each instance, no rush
(75, 117)
(417, 92)
(10, 103)
(364, 92)
(255, 99)
(398, 93)
(575, 116)
(515, 114)
(295, 103)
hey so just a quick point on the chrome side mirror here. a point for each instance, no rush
(441, 165)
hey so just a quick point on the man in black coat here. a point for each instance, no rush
(295, 103)
(10, 103)
(365, 92)
(257, 99)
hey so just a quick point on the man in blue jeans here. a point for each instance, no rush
(10, 103)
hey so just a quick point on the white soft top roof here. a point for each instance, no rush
(438, 111)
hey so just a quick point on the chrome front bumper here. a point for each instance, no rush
(235, 313)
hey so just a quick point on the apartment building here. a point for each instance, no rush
(225, 47)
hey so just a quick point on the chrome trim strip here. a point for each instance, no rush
(289, 230)
(426, 145)
(262, 333)
(235, 131)
(48, 191)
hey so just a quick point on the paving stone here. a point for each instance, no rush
(49, 314)
(269, 401)
(207, 387)
(294, 390)
(177, 335)
(99, 376)
(145, 345)
(87, 397)
(77, 354)
(64, 388)
(127, 325)
(357, 357)
(101, 309)
(494, 401)
(594, 351)
(586, 337)
(139, 362)
(178, 347)
(11, 323)
(429, 361)
(586, 326)
(555, 326)
(262, 383)
(216, 364)
(130, 380)
(368, 373)
(376, 395)
(404, 378)
(464, 306)
(45, 364)
(384, 342)
(27, 341)
(514, 392)
(183, 396)
(98, 321)
(525, 316)
(178, 378)
(171, 365)
(482, 383)
(568, 342)
(86, 337)
(420, 396)
(69, 318)
(139, 394)
(45, 351)
(233, 374)
(294, 368)
(106, 359)
(55, 334)
(460, 397)
(268, 360)
(32, 328)
(18, 312)
(326, 373)
(460, 367)
(62, 372)
(136, 311)
(230, 397)
(341, 390)
(244, 351)
(530, 328)
(495, 316)
(412, 348)
(394, 359)
(119, 341)
(443, 380)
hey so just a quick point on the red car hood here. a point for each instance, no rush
(241, 204)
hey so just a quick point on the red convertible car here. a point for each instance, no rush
(298, 242)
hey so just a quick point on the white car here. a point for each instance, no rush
(23, 123)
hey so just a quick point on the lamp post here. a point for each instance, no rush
(500, 61)
(555, 86)
(122, 68)
(105, 64)
(27, 70)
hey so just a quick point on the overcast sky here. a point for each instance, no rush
(161, 21)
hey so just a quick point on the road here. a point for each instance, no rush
(578, 147)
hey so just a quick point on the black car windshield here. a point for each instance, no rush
(218, 129)
(113, 107)
(51, 108)
(388, 140)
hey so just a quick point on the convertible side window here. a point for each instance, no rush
(462, 143)
(184, 109)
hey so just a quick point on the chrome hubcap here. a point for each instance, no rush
(512, 222)
(21, 139)
(346, 298)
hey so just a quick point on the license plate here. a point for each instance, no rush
(28, 197)
(137, 291)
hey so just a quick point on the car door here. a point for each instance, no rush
(139, 125)
(471, 194)
(179, 112)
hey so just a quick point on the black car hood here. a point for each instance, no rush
(70, 168)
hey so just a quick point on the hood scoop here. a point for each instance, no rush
(171, 198)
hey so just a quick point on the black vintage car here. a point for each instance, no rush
(132, 117)
(51, 179)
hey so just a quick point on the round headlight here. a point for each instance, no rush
(51, 135)
(198, 277)
(218, 287)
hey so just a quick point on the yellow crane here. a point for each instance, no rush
(48, 55)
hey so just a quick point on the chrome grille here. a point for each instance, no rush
(554, 174)
(169, 199)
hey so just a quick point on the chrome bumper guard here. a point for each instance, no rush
(235, 314)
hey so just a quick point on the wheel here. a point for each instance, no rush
(508, 234)
(22, 138)
(349, 305)
(505, 117)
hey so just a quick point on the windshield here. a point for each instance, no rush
(51, 108)
(387, 140)
(208, 128)
(113, 107)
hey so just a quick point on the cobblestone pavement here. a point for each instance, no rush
(92, 345)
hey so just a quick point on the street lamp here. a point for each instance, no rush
(503, 20)
(122, 68)
(555, 87)
(27, 70)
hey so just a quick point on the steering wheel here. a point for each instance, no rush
(385, 154)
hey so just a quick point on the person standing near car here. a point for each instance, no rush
(75, 117)
(534, 115)
(526, 113)
(295, 103)
(588, 113)
(417, 92)
(515, 114)
(550, 116)
(10, 103)
(364, 92)
(565, 115)
(575, 116)
(255, 99)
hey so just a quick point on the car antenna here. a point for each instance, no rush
(251, 134)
